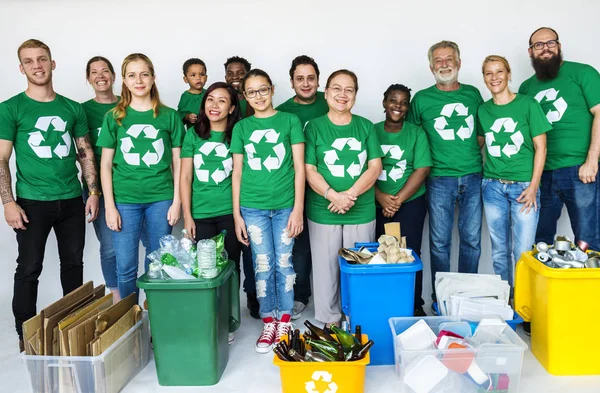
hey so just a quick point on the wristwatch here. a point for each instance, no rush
(95, 193)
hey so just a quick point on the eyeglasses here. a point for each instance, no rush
(540, 45)
(263, 91)
(338, 90)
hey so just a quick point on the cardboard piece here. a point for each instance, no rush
(72, 320)
(82, 333)
(30, 329)
(51, 325)
(112, 334)
(393, 229)
(111, 315)
(50, 311)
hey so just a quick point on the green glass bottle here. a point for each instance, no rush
(318, 332)
(326, 348)
(346, 339)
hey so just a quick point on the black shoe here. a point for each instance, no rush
(253, 305)
(419, 312)
(527, 328)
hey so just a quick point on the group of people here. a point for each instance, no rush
(293, 184)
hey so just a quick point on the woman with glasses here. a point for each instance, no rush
(513, 128)
(268, 201)
(343, 161)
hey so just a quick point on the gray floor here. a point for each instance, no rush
(248, 371)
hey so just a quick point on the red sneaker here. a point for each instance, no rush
(283, 327)
(264, 344)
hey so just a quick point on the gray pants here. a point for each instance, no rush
(325, 241)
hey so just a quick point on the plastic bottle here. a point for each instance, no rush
(207, 258)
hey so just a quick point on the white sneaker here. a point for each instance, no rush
(298, 308)
(264, 344)
(231, 338)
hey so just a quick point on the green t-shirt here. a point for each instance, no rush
(450, 120)
(189, 103)
(42, 134)
(211, 184)
(143, 155)
(509, 131)
(306, 112)
(268, 170)
(566, 101)
(243, 107)
(404, 151)
(341, 155)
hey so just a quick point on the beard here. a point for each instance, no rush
(547, 69)
(443, 79)
(40, 82)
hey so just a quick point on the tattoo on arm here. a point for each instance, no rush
(5, 183)
(87, 161)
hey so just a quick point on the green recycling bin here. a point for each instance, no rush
(190, 321)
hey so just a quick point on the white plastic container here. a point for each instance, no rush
(107, 373)
(498, 364)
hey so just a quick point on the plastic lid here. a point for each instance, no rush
(145, 282)
(385, 269)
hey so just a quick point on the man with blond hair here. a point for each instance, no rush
(40, 125)
(447, 111)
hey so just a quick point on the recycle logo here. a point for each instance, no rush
(311, 386)
(464, 132)
(399, 168)
(509, 126)
(331, 158)
(559, 104)
(149, 158)
(272, 162)
(36, 138)
(218, 175)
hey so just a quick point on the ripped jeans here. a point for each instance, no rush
(272, 258)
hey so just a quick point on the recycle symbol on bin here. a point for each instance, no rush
(395, 153)
(448, 134)
(37, 137)
(149, 157)
(559, 104)
(331, 157)
(311, 386)
(508, 125)
(219, 174)
(273, 161)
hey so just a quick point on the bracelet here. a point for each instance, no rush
(326, 191)
(95, 193)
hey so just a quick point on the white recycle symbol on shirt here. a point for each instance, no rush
(311, 386)
(331, 158)
(509, 126)
(149, 158)
(220, 150)
(36, 138)
(397, 171)
(448, 134)
(272, 162)
(559, 104)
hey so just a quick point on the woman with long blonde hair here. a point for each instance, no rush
(140, 167)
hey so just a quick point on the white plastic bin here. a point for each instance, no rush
(106, 373)
(431, 371)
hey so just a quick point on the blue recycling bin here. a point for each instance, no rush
(372, 294)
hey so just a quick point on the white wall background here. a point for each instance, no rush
(384, 42)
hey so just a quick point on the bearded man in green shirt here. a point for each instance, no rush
(569, 94)
(41, 126)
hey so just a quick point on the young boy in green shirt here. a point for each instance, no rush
(194, 74)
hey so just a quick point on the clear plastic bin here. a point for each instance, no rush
(106, 373)
(435, 370)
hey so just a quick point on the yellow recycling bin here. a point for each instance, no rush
(563, 306)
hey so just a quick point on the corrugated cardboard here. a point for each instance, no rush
(51, 325)
(112, 334)
(30, 329)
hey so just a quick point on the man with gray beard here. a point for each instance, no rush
(447, 111)
(569, 94)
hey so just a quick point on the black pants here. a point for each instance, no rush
(302, 261)
(67, 218)
(411, 217)
(210, 227)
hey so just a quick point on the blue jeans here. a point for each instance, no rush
(108, 260)
(147, 221)
(442, 195)
(507, 224)
(272, 256)
(563, 187)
